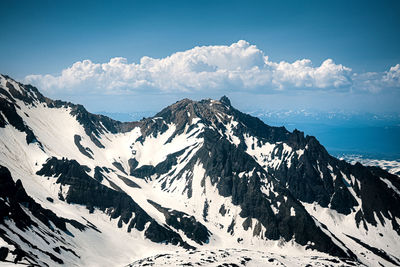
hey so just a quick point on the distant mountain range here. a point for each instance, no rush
(334, 118)
(127, 117)
(197, 183)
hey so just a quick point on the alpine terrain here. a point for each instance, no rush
(198, 184)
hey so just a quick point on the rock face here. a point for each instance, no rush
(17, 206)
(197, 174)
(84, 190)
(182, 221)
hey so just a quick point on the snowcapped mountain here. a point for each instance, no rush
(199, 180)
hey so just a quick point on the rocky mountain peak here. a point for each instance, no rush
(225, 100)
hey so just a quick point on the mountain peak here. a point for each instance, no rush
(225, 100)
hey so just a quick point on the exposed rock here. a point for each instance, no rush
(12, 198)
(87, 191)
(182, 221)
(84, 150)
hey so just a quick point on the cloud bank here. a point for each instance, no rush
(240, 66)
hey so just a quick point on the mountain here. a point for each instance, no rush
(198, 178)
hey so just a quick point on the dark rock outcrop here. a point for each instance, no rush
(87, 191)
(10, 113)
(182, 221)
(12, 198)
(222, 160)
(84, 150)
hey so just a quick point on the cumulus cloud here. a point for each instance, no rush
(392, 77)
(376, 81)
(240, 66)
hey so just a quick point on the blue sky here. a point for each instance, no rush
(360, 39)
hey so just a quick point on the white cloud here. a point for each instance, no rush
(234, 67)
(302, 74)
(375, 81)
(392, 77)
